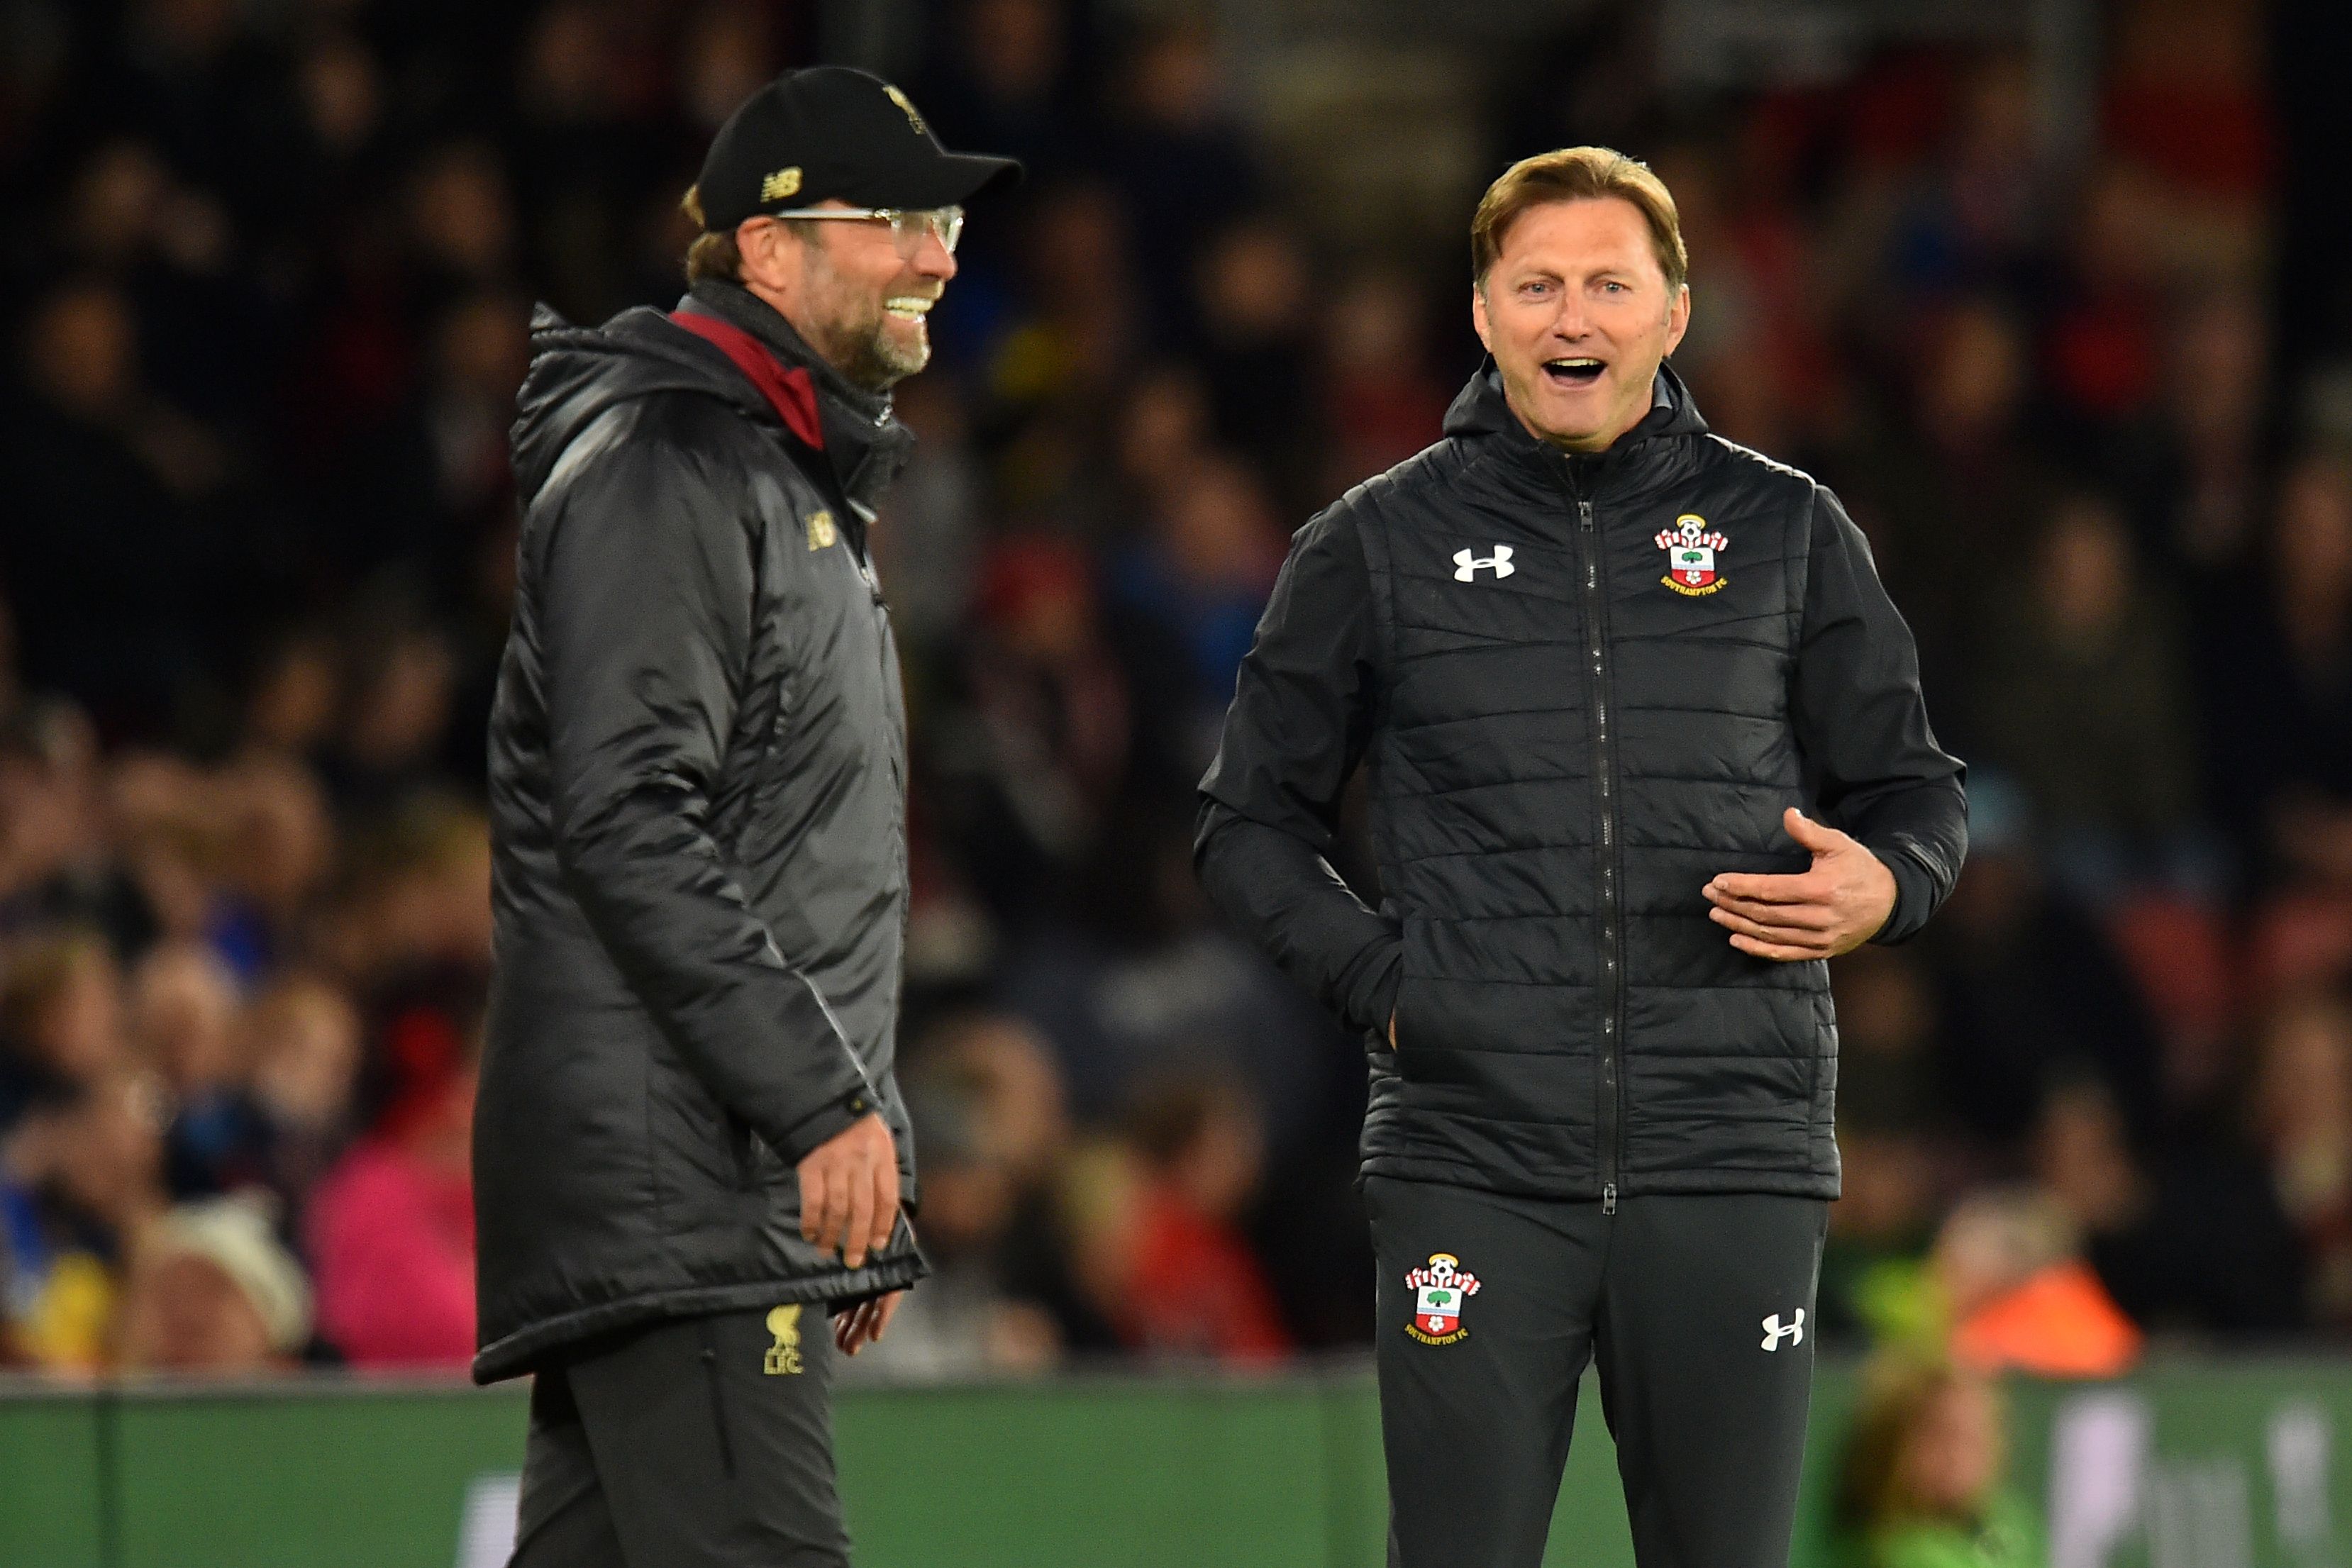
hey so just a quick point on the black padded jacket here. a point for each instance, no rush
(1579, 687)
(697, 765)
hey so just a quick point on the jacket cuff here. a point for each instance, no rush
(828, 1122)
(1914, 897)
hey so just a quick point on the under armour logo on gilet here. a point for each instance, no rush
(1774, 1332)
(1467, 566)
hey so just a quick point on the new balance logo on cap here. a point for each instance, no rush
(1774, 1332)
(1467, 566)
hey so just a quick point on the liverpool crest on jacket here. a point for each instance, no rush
(1440, 1287)
(1690, 556)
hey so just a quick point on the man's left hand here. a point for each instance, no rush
(863, 1324)
(1819, 914)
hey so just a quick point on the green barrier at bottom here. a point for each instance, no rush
(2237, 1463)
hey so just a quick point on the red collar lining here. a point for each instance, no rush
(792, 393)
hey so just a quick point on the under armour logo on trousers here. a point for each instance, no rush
(1465, 565)
(1793, 1332)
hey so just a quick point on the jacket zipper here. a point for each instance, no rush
(1596, 626)
(891, 677)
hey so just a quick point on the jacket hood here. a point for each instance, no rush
(1480, 410)
(579, 372)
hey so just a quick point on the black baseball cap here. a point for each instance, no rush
(834, 133)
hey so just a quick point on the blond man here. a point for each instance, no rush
(1644, 746)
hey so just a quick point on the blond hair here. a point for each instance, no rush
(1899, 1393)
(1577, 174)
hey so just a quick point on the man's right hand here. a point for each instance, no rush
(849, 1190)
(1391, 1031)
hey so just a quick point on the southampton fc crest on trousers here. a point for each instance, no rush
(1690, 556)
(1439, 1288)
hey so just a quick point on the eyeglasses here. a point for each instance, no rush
(907, 225)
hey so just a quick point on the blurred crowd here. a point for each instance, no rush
(270, 267)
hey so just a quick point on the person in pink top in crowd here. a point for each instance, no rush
(391, 1227)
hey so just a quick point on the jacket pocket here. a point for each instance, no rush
(1412, 1030)
(739, 1143)
(695, 1148)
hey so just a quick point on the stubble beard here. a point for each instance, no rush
(857, 335)
(883, 361)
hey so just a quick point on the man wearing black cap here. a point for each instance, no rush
(689, 1145)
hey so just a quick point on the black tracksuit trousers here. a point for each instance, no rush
(702, 1442)
(1699, 1310)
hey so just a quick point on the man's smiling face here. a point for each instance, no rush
(865, 301)
(1578, 314)
(859, 295)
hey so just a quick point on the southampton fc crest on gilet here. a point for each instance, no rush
(1690, 556)
(1439, 1288)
